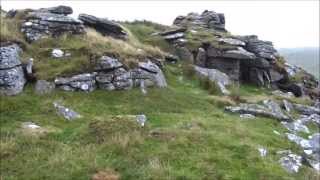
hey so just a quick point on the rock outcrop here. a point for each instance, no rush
(50, 22)
(110, 74)
(104, 26)
(207, 19)
(12, 78)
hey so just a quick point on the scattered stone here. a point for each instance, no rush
(83, 82)
(12, 78)
(216, 76)
(263, 152)
(296, 126)
(44, 87)
(30, 128)
(57, 53)
(303, 143)
(291, 162)
(104, 26)
(257, 110)
(67, 113)
(247, 116)
(305, 109)
(141, 119)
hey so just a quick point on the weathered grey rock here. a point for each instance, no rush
(239, 53)
(42, 23)
(104, 26)
(12, 78)
(297, 89)
(9, 56)
(291, 162)
(64, 10)
(11, 13)
(315, 118)
(107, 63)
(201, 58)
(123, 81)
(44, 87)
(296, 126)
(303, 143)
(257, 110)
(152, 72)
(274, 107)
(292, 70)
(57, 53)
(82, 82)
(232, 41)
(174, 34)
(262, 49)
(184, 54)
(305, 109)
(141, 119)
(67, 113)
(287, 105)
(208, 19)
(317, 104)
(247, 116)
(29, 66)
(216, 76)
(282, 94)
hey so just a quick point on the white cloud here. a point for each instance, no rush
(286, 23)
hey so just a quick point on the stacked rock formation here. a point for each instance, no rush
(208, 19)
(104, 26)
(110, 75)
(12, 78)
(50, 22)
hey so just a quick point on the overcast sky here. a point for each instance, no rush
(286, 23)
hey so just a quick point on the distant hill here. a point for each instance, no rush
(307, 58)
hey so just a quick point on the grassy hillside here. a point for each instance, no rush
(187, 136)
(307, 58)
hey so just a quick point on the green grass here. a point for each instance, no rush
(186, 137)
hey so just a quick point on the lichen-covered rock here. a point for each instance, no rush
(305, 109)
(67, 113)
(44, 23)
(64, 10)
(291, 162)
(83, 82)
(104, 26)
(12, 78)
(216, 76)
(257, 110)
(44, 87)
(208, 19)
(106, 63)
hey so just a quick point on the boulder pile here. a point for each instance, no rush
(50, 22)
(110, 74)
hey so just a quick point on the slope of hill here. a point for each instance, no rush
(178, 131)
(307, 58)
